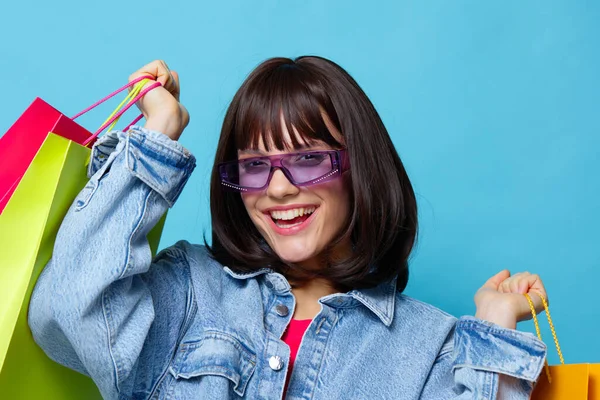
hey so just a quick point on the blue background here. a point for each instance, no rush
(494, 108)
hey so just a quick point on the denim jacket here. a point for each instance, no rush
(182, 326)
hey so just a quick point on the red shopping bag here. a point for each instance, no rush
(20, 144)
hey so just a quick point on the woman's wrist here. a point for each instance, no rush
(167, 124)
(497, 315)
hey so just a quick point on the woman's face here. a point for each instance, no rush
(325, 209)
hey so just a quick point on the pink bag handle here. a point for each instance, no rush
(135, 121)
(123, 110)
(113, 94)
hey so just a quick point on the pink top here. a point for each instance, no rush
(293, 337)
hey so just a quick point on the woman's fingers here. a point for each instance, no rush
(159, 71)
(516, 284)
(161, 106)
(176, 87)
(170, 83)
(495, 281)
(525, 282)
(506, 292)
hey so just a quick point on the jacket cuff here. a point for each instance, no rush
(161, 163)
(481, 345)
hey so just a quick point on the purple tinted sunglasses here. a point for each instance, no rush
(301, 169)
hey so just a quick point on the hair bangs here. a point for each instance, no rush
(279, 99)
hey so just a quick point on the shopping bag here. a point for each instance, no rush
(23, 139)
(564, 381)
(27, 127)
(28, 227)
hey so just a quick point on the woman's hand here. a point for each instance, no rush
(501, 300)
(161, 106)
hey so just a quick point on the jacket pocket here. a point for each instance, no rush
(89, 190)
(216, 354)
(86, 194)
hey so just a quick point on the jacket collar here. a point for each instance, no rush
(380, 300)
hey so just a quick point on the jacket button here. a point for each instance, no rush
(282, 310)
(275, 363)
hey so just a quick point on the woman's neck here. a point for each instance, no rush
(307, 297)
(308, 293)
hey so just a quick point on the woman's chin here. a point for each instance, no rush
(292, 259)
(294, 256)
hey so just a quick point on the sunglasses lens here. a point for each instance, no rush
(252, 174)
(306, 167)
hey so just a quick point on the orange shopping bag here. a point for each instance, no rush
(565, 381)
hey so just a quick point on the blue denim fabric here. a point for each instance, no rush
(182, 326)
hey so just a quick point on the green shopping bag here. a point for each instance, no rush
(28, 227)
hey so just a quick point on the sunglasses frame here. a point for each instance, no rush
(339, 164)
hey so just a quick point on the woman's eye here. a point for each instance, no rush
(309, 159)
(254, 165)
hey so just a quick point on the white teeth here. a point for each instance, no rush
(291, 214)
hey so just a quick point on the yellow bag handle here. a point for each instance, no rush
(137, 92)
(539, 334)
(132, 94)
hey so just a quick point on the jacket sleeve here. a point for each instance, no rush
(102, 297)
(481, 360)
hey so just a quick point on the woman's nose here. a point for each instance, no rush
(280, 186)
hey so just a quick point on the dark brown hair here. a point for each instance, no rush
(383, 222)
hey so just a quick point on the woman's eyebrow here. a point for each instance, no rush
(255, 152)
(299, 148)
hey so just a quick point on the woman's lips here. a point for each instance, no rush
(292, 230)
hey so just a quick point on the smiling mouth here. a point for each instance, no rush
(290, 218)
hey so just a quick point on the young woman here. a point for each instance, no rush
(300, 293)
